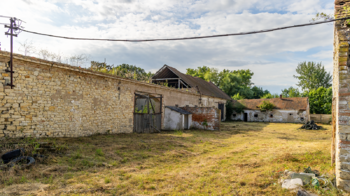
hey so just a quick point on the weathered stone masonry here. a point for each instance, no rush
(341, 99)
(57, 100)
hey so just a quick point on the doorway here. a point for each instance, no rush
(147, 113)
(245, 117)
(221, 106)
(186, 121)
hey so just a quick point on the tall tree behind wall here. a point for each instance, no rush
(312, 76)
(234, 83)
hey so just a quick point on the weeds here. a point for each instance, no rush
(178, 132)
(99, 152)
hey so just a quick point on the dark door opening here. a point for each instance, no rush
(245, 117)
(222, 108)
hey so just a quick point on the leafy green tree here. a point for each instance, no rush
(246, 76)
(231, 83)
(291, 92)
(320, 100)
(258, 92)
(312, 76)
(237, 97)
(270, 96)
(206, 73)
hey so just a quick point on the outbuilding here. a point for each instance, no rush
(292, 110)
(176, 118)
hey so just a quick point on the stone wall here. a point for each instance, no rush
(210, 115)
(288, 116)
(57, 100)
(321, 118)
(341, 99)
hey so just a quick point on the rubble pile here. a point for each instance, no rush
(310, 125)
(294, 181)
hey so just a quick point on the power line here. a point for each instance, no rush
(5, 16)
(188, 38)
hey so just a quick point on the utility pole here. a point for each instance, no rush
(14, 30)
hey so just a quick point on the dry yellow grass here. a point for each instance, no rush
(241, 159)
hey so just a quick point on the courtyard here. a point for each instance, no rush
(241, 159)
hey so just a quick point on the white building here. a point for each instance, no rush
(176, 118)
(292, 110)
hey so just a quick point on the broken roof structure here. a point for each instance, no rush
(177, 109)
(175, 78)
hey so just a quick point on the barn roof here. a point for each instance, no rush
(295, 103)
(205, 88)
(179, 110)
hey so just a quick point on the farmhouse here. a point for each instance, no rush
(293, 110)
(51, 99)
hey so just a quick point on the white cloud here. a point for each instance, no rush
(273, 56)
(323, 54)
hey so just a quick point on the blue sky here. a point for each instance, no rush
(272, 57)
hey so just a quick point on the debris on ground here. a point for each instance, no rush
(22, 159)
(294, 181)
(310, 125)
(305, 193)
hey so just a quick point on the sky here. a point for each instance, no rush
(273, 57)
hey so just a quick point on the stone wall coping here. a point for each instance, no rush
(86, 71)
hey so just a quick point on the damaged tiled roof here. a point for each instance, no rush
(205, 88)
(177, 109)
(295, 103)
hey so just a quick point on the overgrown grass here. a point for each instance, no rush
(241, 159)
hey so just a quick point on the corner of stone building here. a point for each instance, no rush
(341, 97)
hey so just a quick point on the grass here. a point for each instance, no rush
(241, 159)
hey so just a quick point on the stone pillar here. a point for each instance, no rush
(341, 98)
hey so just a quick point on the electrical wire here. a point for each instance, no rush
(5, 16)
(187, 38)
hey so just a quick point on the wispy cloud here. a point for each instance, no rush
(273, 57)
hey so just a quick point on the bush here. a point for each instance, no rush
(266, 105)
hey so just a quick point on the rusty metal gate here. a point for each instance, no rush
(147, 113)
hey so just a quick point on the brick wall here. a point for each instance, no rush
(56, 100)
(205, 114)
(341, 100)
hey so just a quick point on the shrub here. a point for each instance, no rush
(266, 105)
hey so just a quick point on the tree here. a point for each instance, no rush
(246, 76)
(258, 92)
(312, 76)
(237, 97)
(291, 92)
(206, 73)
(270, 96)
(27, 47)
(320, 100)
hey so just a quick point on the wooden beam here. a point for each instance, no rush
(166, 79)
(184, 84)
